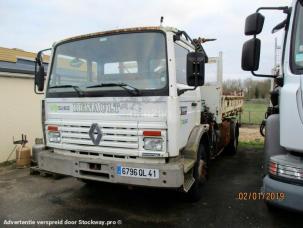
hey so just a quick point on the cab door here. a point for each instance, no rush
(189, 102)
(291, 95)
(296, 54)
(296, 58)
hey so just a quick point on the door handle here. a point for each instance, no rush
(194, 104)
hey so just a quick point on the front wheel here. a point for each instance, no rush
(232, 147)
(200, 174)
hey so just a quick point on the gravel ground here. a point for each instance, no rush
(250, 133)
(24, 197)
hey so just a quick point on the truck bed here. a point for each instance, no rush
(222, 105)
(232, 104)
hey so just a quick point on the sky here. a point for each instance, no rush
(33, 25)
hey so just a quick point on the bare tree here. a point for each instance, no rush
(253, 89)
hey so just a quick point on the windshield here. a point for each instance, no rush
(134, 59)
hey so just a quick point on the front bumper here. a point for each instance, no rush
(293, 193)
(170, 174)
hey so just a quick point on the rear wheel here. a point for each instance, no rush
(200, 174)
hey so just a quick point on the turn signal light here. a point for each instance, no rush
(52, 128)
(152, 133)
(273, 168)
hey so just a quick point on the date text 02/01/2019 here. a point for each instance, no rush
(260, 196)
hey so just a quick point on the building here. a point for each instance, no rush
(20, 106)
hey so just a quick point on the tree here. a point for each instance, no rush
(252, 88)
(257, 92)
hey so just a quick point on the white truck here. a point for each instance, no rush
(129, 106)
(283, 179)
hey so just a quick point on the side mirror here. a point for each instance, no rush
(39, 78)
(254, 24)
(195, 69)
(251, 54)
(39, 73)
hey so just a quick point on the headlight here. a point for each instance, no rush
(54, 137)
(153, 144)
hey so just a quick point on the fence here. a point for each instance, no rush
(252, 117)
(254, 111)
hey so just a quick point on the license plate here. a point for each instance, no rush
(137, 172)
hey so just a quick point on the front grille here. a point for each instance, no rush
(115, 135)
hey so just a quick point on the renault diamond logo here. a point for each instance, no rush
(95, 133)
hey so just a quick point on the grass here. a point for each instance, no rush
(7, 163)
(252, 144)
(253, 112)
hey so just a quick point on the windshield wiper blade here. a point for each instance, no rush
(76, 88)
(133, 90)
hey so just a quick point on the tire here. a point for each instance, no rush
(200, 174)
(232, 147)
(213, 141)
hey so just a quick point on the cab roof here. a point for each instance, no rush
(117, 31)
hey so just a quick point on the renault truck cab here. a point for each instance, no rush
(130, 106)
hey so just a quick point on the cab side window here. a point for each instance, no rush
(180, 56)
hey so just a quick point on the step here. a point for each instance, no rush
(188, 182)
(188, 164)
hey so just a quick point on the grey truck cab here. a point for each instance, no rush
(283, 181)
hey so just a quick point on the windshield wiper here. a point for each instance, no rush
(76, 88)
(133, 90)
